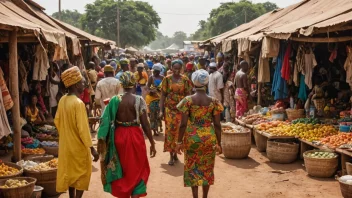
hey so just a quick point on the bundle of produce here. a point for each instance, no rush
(6, 170)
(28, 164)
(252, 118)
(277, 111)
(234, 129)
(271, 124)
(27, 140)
(307, 132)
(43, 136)
(306, 121)
(321, 155)
(49, 144)
(44, 166)
(14, 183)
(337, 140)
(260, 120)
(33, 151)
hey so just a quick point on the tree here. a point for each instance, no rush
(161, 42)
(138, 21)
(179, 37)
(70, 17)
(230, 15)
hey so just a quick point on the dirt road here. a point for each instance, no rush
(247, 178)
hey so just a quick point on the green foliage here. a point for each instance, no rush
(70, 17)
(138, 21)
(230, 15)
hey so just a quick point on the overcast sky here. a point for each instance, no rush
(176, 15)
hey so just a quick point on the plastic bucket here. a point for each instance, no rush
(37, 193)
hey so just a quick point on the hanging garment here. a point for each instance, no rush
(270, 47)
(263, 69)
(60, 49)
(310, 63)
(348, 66)
(299, 65)
(23, 77)
(5, 129)
(285, 70)
(279, 87)
(302, 93)
(41, 64)
(5, 94)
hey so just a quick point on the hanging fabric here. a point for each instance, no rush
(7, 101)
(41, 64)
(348, 66)
(263, 69)
(270, 47)
(23, 77)
(285, 70)
(279, 87)
(310, 63)
(299, 65)
(302, 93)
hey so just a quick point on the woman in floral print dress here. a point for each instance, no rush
(174, 88)
(201, 137)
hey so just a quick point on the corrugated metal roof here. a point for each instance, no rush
(303, 18)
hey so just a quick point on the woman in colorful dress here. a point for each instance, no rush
(201, 138)
(174, 88)
(124, 164)
(153, 98)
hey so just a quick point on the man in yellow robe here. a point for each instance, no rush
(75, 144)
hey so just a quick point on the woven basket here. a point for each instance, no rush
(49, 188)
(260, 141)
(18, 192)
(293, 114)
(236, 145)
(346, 189)
(27, 156)
(40, 159)
(320, 167)
(349, 168)
(13, 165)
(51, 150)
(282, 152)
(42, 176)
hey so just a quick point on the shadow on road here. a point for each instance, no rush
(247, 163)
(94, 169)
(297, 165)
(175, 170)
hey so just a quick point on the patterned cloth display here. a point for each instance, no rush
(199, 142)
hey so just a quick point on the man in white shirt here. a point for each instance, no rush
(107, 88)
(216, 83)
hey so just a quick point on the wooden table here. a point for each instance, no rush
(249, 126)
(307, 145)
(261, 138)
(346, 156)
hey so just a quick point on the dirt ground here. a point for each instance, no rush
(247, 178)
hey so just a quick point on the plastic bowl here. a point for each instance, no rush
(278, 116)
(344, 128)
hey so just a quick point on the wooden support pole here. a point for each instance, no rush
(259, 100)
(15, 95)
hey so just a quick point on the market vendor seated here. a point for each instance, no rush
(33, 114)
(318, 95)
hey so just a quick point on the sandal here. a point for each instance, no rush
(171, 163)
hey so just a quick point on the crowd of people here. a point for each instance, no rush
(133, 96)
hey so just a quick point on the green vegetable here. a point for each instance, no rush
(306, 121)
